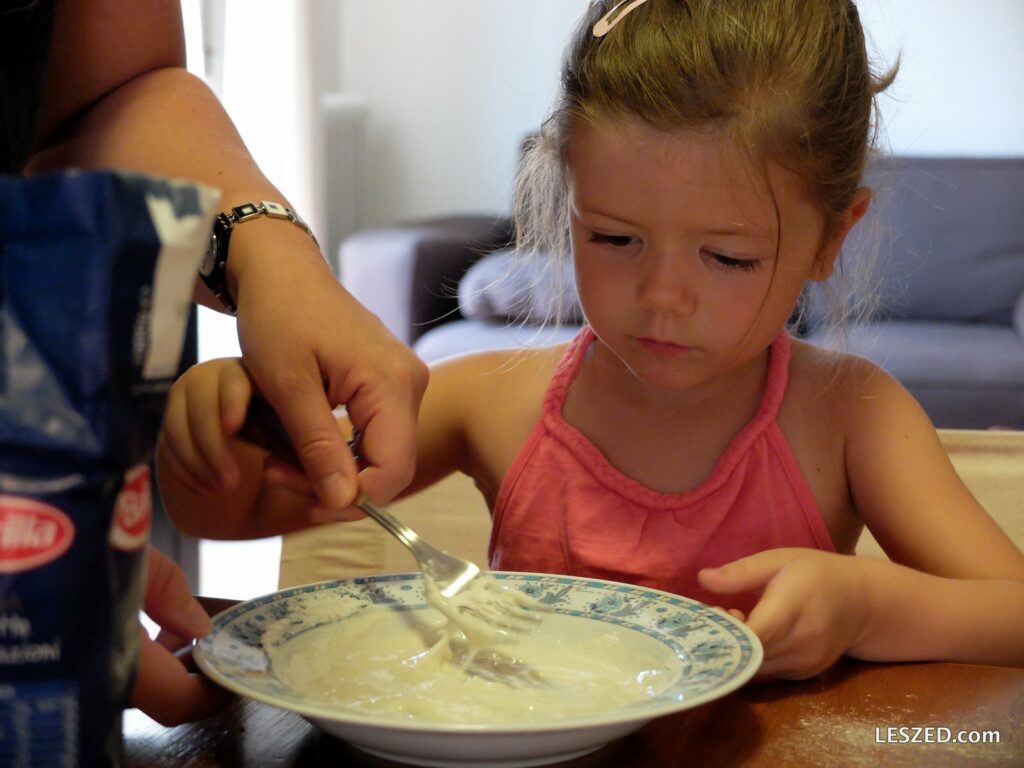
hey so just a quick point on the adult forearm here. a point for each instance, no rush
(168, 123)
(917, 616)
(165, 122)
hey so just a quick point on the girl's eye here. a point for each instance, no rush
(616, 241)
(728, 262)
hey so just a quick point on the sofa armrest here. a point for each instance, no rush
(1018, 315)
(408, 274)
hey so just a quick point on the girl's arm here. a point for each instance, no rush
(954, 589)
(961, 595)
(915, 616)
(910, 496)
(476, 413)
(817, 606)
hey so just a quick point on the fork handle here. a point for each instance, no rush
(264, 428)
(450, 574)
(399, 530)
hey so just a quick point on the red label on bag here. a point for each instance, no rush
(31, 534)
(133, 511)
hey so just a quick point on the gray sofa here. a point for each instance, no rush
(949, 233)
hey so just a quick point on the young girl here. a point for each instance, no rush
(704, 159)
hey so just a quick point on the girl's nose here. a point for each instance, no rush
(667, 285)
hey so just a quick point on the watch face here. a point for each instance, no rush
(209, 258)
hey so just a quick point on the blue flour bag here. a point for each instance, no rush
(96, 278)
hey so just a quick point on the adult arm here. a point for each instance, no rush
(119, 97)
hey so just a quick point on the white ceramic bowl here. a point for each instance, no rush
(717, 654)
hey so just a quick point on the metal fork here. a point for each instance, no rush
(502, 607)
(451, 574)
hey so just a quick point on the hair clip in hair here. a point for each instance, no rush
(614, 16)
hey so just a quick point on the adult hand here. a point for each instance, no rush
(310, 346)
(811, 610)
(165, 688)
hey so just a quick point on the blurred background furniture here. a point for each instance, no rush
(949, 238)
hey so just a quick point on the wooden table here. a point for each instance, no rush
(850, 716)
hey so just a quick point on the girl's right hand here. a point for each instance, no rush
(205, 408)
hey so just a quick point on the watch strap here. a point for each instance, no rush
(216, 278)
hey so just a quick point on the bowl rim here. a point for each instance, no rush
(351, 717)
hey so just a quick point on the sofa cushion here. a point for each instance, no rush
(501, 288)
(965, 375)
(949, 238)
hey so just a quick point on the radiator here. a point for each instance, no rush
(345, 138)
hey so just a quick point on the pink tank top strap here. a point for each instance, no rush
(588, 454)
(564, 508)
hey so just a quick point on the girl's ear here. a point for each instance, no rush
(830, 250)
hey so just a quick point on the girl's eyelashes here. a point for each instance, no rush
(729, 262)
(726, 262)
(616, 241)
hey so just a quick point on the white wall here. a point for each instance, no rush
(270, 85)
(960, 88)
(452, 85)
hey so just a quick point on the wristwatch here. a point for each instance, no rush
(214, 268)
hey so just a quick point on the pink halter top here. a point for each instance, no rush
(563, 508)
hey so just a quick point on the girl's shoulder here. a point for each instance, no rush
(492, 370)
(846, 372)
(491, 400)
(843, 388)
(504, 386)
(840, 414)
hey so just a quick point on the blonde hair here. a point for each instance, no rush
(788, 80)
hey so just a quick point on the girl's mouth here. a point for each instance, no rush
(663, 348)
